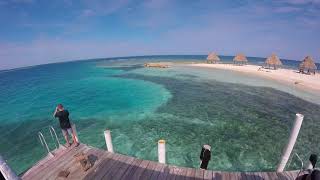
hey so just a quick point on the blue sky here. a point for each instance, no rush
(37, 31)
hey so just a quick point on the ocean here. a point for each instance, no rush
(245, 119)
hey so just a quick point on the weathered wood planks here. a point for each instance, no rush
(115, 166)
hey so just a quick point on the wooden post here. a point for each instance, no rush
(162, 151)
(292, 140)
(6, 171)
(107, 136)
(74, 130)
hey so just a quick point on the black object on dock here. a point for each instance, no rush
(205, 156)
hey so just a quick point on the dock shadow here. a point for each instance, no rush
(250, 176)
(110, 168)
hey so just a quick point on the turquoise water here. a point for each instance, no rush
(246, 119)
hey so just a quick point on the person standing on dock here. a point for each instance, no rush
(65, 124)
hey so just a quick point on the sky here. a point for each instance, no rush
(45, 31)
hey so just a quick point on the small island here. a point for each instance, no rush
(156, 65)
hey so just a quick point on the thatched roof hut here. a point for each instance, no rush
(240, 59)
(273, 61)
(213, 58)
(307, 64)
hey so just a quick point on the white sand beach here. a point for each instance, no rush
(288, 76)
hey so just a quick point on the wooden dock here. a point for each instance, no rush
(115, 166)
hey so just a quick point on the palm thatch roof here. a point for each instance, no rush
(273, 60)
(308, 63)
(240, 58)
(213, 57)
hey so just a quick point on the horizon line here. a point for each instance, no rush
(118, 57)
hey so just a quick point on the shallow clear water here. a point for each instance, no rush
(245, 119)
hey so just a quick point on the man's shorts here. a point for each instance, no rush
(65, 132)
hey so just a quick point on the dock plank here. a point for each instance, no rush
(107, 167)
(140, 169)
(249, 176)
(65, 165)
(272, 176)
(164, 172)
(48, 162)
(207, 175)
(132, 168)
(292, 174)
(235, 175)
(96, 168)
(103, 167)
(266, 175)
(190, 175)
(262, 175)
(115, 166)
(121, 167)
(94, 156)
(103, 159)
(243, 176)
(257, 176)
(182, 174)
(199, 174)
(283, 176)
(146, 175)
(226, 176)
(58, 164)
(216, 175)
(44, 162)
(171, 175)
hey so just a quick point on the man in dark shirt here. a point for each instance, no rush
(65, 125)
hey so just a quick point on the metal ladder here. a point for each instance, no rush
(54, 138)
